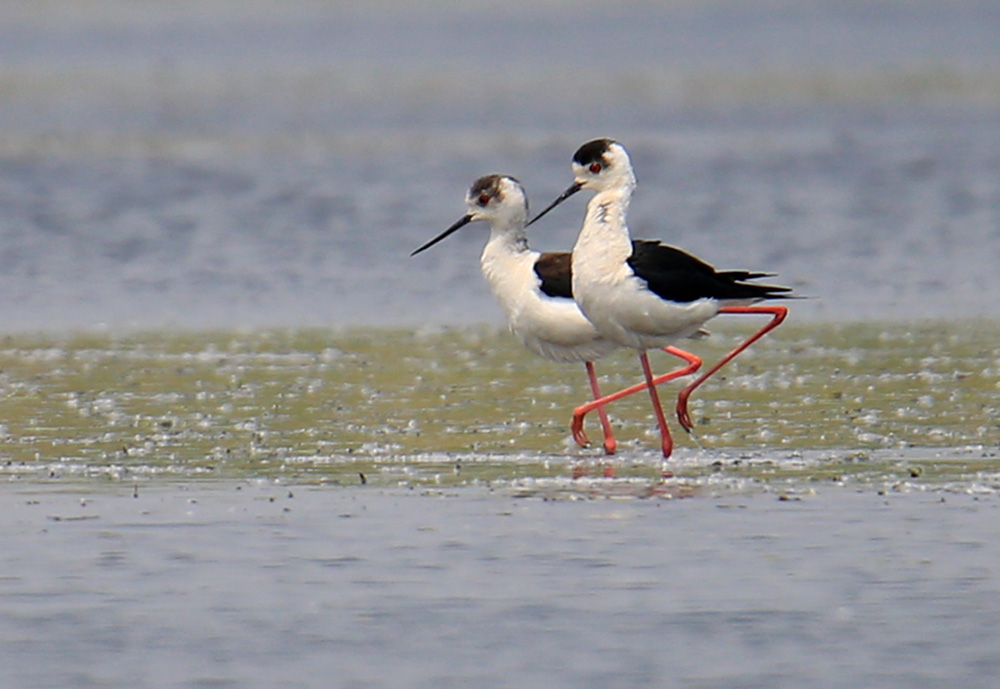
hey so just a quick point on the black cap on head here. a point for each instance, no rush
(490, 184)
(592, 152)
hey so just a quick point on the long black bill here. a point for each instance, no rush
(575, 187)
(451, 230)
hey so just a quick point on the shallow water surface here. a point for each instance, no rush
(374, 508)
(260, 584)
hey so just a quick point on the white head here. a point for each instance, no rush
(498, 199)
(602, 164)
(598, 165)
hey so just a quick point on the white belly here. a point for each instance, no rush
(556, 329)
(551, 327)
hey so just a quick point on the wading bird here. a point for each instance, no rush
(534, 290)
(643, 294)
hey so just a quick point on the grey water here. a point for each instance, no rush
(240, 164)
(261, 585)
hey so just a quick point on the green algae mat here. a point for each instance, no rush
(914, 403)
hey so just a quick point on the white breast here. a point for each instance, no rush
(550, 327)
(617, 302)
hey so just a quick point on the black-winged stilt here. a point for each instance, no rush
(534, 290)
(643, 294)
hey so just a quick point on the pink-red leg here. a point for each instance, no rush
(576, 425)
(609, 437)
(778, 314)
(666, 441)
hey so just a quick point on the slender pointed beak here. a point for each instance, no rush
(575, 187)
(451, 230)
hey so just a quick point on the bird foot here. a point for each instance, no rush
(683, 417)
(576, 427)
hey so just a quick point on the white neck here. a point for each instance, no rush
(505, 261)
(507, 236)
(604, 239)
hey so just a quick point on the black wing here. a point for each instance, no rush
(678, 276)
(555, 272)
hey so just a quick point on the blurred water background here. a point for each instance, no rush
(223, 163)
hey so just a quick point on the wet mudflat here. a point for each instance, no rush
(461, 406)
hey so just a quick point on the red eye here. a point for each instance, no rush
(484, 199)
(595, 168)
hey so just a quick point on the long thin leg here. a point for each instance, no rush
(609, 437)
(778, 314)
(661, 421)
(576, 425)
